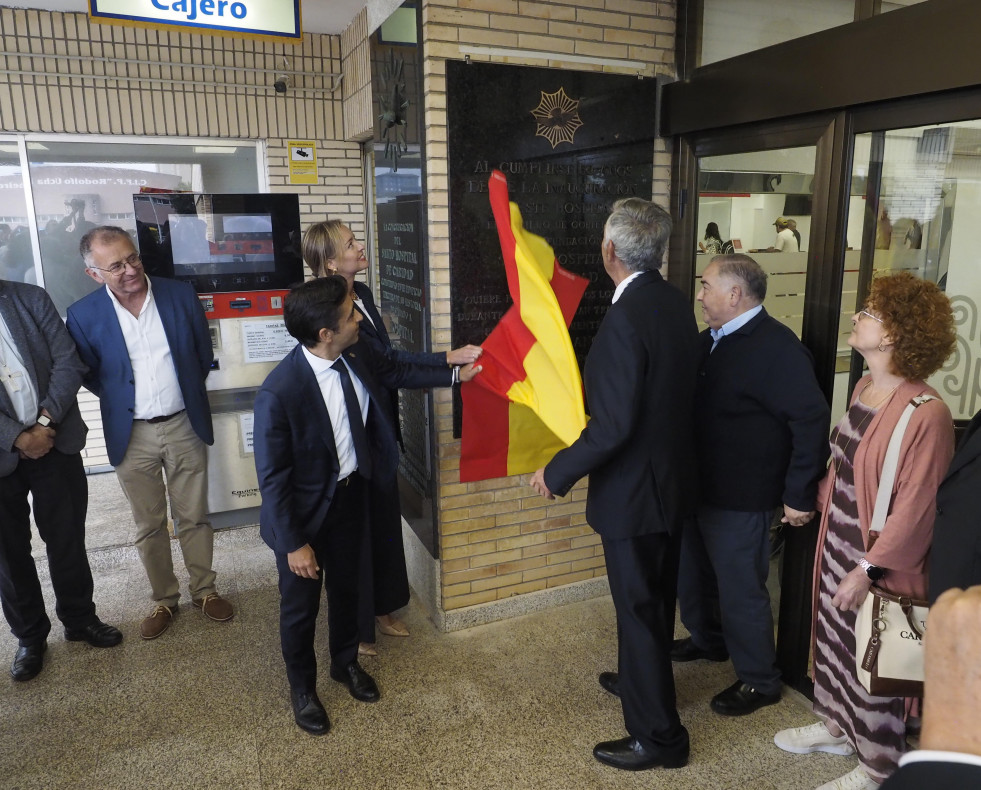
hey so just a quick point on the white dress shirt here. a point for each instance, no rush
(16, 379)
(330, 387)
(158, 392)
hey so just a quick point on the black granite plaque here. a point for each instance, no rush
(403, 302)
(571, 144)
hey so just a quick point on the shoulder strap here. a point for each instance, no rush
(888, 476)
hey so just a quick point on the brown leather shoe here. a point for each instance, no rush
(215, 607)
(158, 621)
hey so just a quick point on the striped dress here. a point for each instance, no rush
(875, 726)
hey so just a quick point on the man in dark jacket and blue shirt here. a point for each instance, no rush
(761, 427)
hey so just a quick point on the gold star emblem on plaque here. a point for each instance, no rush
(558, 117)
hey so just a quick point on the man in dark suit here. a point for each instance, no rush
(323, 427)
(762, 443)
(955, 556)
(148, 349)
(950, 742)
(41, 436)
(638, 452)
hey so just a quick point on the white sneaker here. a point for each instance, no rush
(854, 780)
(815, 738)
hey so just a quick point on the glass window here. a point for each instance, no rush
(735, 27)
(742, 198)
(16, 251)
(929, 200)
(77, 185)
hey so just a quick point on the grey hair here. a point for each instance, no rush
(744, 269)
(639, 230)
(103, 234)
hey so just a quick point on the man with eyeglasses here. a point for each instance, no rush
(761, 437)
(148, 349)
(41, 437)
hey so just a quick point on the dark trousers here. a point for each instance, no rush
(725, 561)
(337, 546)
(384, 585)
(60, 491)
(643, 573)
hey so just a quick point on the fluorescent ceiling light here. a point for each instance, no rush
(9, 148)
(37, 147)
(215, 149)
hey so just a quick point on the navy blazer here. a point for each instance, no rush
(295, 455)
(955, 557)
(52, 364)
(934, 774)
(93, 325)
(637, 447)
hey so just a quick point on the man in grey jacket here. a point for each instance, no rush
(41, 436)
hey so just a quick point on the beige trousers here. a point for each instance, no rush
(170, 448)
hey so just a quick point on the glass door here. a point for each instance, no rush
(918, 213)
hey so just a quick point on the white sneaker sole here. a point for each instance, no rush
(844, 749)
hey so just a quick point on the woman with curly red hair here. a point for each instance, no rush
(905, 333)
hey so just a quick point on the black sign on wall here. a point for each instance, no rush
(400, 211)
(571, 144)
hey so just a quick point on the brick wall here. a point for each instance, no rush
(69, 97)
(497, 537)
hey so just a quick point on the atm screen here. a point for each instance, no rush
(221, 243)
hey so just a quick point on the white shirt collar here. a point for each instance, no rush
(623, 285)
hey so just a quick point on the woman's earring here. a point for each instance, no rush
(881, 349)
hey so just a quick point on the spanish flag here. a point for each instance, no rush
(527, 403)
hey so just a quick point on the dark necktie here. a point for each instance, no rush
(358, 432)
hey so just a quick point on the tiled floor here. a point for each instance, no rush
(513, 704)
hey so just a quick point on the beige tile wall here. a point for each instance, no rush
(68, 96)
(498, 538)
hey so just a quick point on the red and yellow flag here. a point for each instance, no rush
(527, 403)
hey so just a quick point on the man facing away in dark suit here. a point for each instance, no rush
(148, 349)
(955, 555)
(761, 427)
(41, 436)
(949, 757)
(638, 452)
(323, 426)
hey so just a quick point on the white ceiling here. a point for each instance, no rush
(319, 16)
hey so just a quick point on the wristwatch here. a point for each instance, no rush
(874, 572)
(45, 421)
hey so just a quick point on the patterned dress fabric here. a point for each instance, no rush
(875, 726)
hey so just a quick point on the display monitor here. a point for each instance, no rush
(221, 243)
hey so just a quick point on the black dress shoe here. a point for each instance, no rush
(309, 713)
(28, 661)
(359, 683)
(740, 699)
(611, 682)
(98, 634)
(687, 650)
(629, 755)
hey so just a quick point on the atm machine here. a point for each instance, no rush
(241, 253)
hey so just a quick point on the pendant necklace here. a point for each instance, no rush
(872, 410)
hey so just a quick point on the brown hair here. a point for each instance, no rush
(917, 316)
(321, 243)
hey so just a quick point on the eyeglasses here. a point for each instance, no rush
(867, 313)
(133, 261)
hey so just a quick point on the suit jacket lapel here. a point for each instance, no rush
(15, 325)
(969, 448)
(309, 394)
